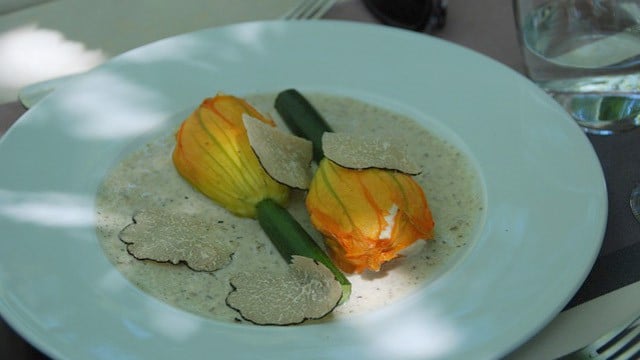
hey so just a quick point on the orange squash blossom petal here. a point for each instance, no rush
(367, 216)
(213, 154)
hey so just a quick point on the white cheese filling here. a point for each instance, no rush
(385, 234)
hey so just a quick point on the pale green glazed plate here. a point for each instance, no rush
(545, 196)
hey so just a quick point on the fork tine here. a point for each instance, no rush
(621, 343)
(632, 351)
(327, 5)
(319, 9)
(293, 13)
(309, 9)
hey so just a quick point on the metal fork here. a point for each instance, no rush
(309, 9)
(622, 343)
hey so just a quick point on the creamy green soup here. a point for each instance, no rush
(147, 179)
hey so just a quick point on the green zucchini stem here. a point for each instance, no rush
(290, 238)
(302, 119)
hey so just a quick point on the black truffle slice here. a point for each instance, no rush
(308, 290)
(361, 152)
(162, 236)
(284, 156)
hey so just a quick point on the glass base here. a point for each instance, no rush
(603, 105)
(602, 113)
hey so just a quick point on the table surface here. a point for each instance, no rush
(487, 27)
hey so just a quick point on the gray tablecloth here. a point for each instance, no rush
(486, 26)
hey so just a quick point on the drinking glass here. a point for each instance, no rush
(586, 54)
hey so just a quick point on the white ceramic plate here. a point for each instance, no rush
(545, 192)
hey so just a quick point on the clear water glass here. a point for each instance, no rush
(586, 54)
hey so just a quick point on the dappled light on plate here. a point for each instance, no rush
(47, 208)
(174, 324)
(112, 281)
(30, 54)
(423, 333)
(121, 117)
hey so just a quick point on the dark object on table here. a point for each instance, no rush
(419, 15)
(634, 202)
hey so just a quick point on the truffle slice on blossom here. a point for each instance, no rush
(363, 152)
(286, 157)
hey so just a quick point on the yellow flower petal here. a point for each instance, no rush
(367, 216)
(213, 154)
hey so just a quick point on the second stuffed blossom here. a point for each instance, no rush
(363, 197)
(367, 216)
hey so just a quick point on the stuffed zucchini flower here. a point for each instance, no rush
(367, 216)
(362, 198)
(213, 153)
